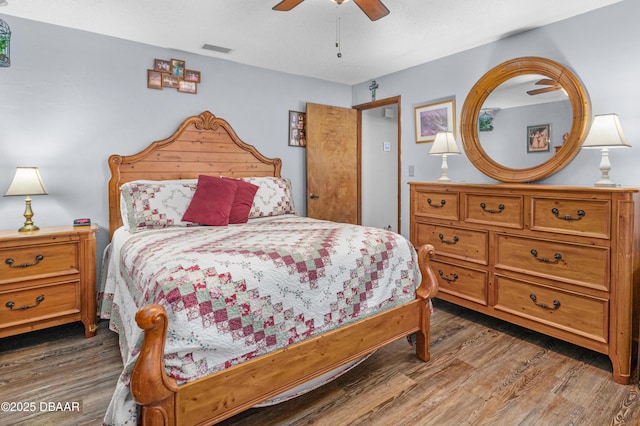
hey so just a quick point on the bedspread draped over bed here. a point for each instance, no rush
(234, 293)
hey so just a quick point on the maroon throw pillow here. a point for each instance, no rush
(212, 201)
(243, 201)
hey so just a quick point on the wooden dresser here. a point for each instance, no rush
(47, 278)
(556, 259)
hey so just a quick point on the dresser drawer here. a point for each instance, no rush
(441, 205)
(583, 265)
(567, 311)
(499, 210)
(459, 243)
(461, 282)
(41, 302)
(25, 262)
(572, 216)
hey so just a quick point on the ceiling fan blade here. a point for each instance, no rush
(374, 9)
(543, 90)
(547, 82)
(286, 5)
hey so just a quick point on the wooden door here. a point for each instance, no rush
(332, 164)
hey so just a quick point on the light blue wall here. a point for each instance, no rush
(72, 98)
(602, 47)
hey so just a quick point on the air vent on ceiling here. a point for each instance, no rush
(216, 48)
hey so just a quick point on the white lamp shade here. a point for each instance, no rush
(444, 143)
(605, 132)
(27, 181)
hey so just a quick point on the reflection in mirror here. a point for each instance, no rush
(523, 121)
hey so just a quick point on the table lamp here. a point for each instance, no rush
(27, 182)
(605, 133)
(444, 144)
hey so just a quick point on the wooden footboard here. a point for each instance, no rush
(217, 397)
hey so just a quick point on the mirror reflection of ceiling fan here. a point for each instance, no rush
(374, 9)
(552, 85)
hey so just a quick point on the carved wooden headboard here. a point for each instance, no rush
(203, 144)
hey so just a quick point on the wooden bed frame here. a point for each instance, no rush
(205, 144)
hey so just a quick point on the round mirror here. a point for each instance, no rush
(524, 120)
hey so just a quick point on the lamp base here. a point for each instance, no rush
(28, 228)
(605, 184)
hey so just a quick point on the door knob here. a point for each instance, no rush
(314, 196)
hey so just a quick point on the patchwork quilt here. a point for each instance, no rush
(236, 292)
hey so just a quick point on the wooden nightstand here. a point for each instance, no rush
(48, 278)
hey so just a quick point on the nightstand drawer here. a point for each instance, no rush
(38, 303)
(18, 263)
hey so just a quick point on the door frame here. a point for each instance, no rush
(396, 100)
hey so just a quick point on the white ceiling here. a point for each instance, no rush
(302, 41)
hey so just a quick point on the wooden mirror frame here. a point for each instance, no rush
(581, 112)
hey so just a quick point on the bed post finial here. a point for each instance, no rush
(150, 385)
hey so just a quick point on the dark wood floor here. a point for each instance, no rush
(482, 372)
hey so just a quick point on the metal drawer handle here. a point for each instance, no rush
(442, 203)
(11, 262)
(556, 303)
(455, 276)
(557, 257)
(484, 207)
(11, 304)
(556, 213)
(455, 239)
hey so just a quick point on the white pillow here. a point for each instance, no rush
(148, 204)
(273, 197)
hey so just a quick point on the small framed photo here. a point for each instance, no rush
(538, 138)
(433, 118)
(191, 75)
(187, 86)
(154, 79)
(169, 81)
(161, 65)
(297, 129)
(177, 68)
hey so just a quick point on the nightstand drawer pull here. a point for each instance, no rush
(454, 241)
(556, 303)
(556, 213)
(557, 257)
(455, 276)
(11, 304)
(442, 203)
(10, 262)
(483, 206)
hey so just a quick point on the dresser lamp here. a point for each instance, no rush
(27, 182)
(444, 145)
(605, 133)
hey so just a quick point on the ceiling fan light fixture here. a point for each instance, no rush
(339, 1)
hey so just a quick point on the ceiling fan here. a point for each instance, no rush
(374, 9)
(552, 85)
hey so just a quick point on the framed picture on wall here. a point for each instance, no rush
(161, 65)
(433, 118)
(187, 87)
(154, 79)
(177, 68)
(191, 75)
(297, 129)
(538, 138)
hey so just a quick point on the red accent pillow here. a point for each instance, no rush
(211, 203)
(243, 201)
